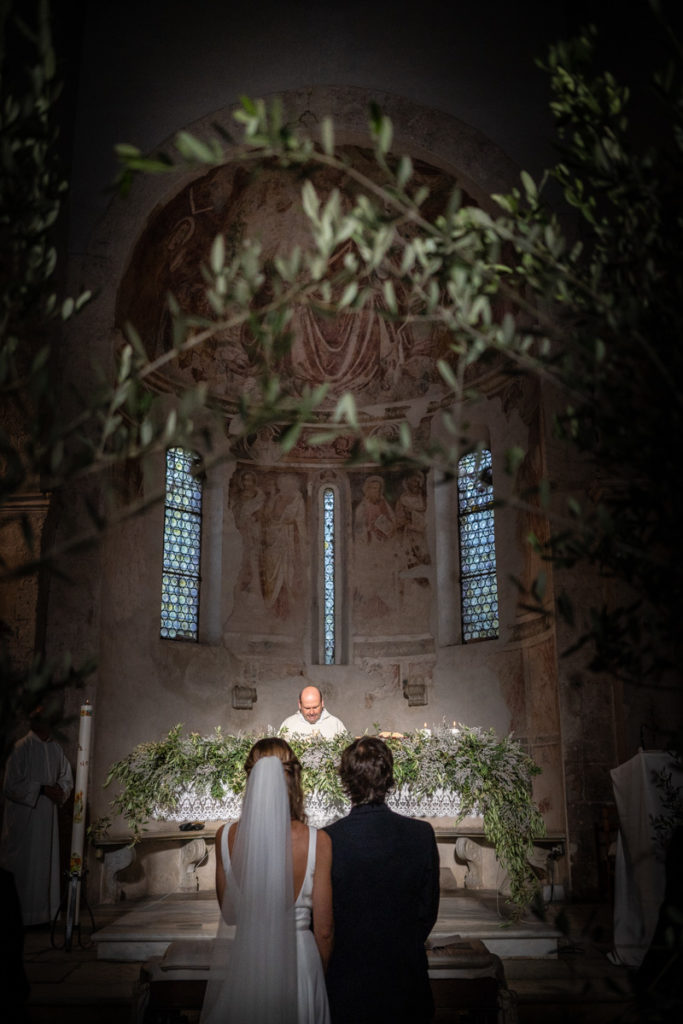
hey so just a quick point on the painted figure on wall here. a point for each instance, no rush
(411, 528)
(362, 351)
(375, 548)
(374, 521)
(351, 351)
(284, 536)
(247, 506)
(392, 562)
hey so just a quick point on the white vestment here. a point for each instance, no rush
(327, 725)
(29, 847)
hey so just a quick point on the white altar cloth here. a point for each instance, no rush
(320, 808)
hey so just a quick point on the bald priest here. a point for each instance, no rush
(312, 718)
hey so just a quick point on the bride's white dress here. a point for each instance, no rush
(312, 994)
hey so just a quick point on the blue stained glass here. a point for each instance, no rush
(328, 577)
(478, 582)
(182, 547)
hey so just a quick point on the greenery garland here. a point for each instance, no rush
(491, 776)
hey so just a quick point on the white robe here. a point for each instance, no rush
(327, 725)
(29, 847)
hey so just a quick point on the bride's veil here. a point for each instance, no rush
(253, 976)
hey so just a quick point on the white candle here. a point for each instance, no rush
(80, 804)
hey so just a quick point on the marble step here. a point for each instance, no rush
(147, 929)
(483, 917)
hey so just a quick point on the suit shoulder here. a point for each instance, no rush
(420, 829)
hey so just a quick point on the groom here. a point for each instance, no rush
(385, 885)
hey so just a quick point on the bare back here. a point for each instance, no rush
(322, 884)
(299, 835)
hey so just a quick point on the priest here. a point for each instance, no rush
(312, 718)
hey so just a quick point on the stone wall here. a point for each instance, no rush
(400, 622)
(400, 661)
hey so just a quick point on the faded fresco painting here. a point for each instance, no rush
(392, 562)
(271, 585)
(364, 353)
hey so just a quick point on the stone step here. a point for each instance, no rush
(483, 916)
(147, 929)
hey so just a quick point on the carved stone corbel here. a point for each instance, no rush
(538, 859)
(473, 854)
(243, 697)
(192, 854)
(415, 691)
(114, 862)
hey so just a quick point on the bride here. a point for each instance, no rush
(271, 950)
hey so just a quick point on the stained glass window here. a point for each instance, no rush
(182, 547)
(478, 583)
(329, 609)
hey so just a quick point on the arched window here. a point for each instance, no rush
(478, 583)
(182, 546)
(329, 577)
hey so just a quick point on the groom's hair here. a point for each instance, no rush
(367, 770)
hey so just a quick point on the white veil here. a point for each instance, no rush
(253, 976)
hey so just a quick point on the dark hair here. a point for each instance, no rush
(367, 770)
(274, 746)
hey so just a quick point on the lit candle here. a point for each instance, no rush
(426, 731)
(455, 730)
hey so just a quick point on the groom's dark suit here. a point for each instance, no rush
(385, 888)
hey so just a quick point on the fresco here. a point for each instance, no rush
(378, 361)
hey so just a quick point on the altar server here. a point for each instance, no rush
(38, 779)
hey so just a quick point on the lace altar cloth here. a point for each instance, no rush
(320, 807)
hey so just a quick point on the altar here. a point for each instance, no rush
(474, 787)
